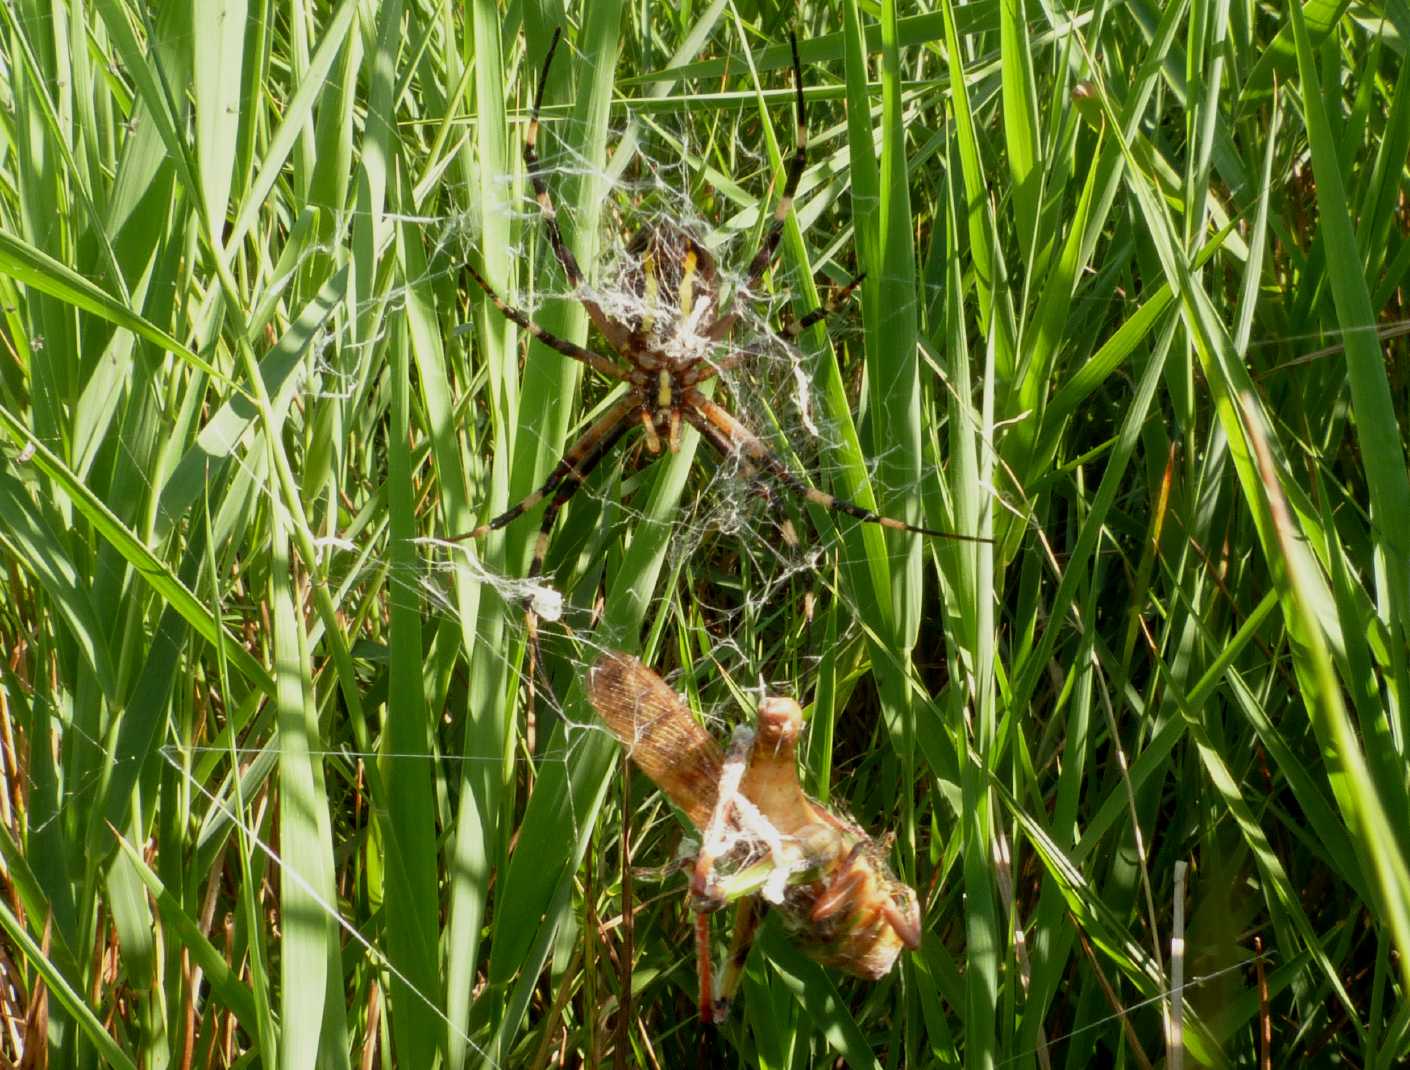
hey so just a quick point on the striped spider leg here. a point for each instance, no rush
(671, 337)
(763, 841)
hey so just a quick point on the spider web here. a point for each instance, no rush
(724, 515)
(726, 523)
(256, 765)
(723, 519)
(737, 523)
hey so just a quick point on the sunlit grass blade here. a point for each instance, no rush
(1124, 311)
(1377, 423)
(1355, 790)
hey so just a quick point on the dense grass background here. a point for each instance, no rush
(1133, 305)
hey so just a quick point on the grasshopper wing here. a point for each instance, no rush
(661, 737)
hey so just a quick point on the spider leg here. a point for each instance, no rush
(579, 459)
(793, 329)
(579, 463)
(563, 482)
(765, 254)
(615, 334)
(584, 455)
(702, 370)
(766, 251)
(607, 367)
(733, 438)
(725, 448)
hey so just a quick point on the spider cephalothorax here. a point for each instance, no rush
(667, 301)
(670, 332)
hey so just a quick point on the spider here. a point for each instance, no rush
(761, 837)
(662, 360)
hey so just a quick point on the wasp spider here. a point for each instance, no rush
(662, 360)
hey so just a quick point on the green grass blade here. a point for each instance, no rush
(217, 66)
(410, 830)
(1378, 429)
(34, 268)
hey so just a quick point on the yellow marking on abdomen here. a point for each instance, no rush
(687, 287)
(649, 290)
